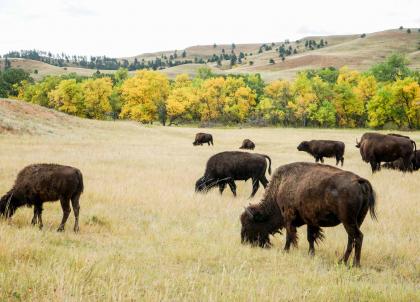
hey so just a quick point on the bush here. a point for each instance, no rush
(363, 36)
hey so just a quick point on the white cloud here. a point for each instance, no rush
(125, 28)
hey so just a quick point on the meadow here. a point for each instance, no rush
(145, 235)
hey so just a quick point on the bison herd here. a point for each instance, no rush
(298, 194)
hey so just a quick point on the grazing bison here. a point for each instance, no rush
(324, 148)
(39, 183)
(312, 194)
(202, 138)
(399, 163)
(247, 144)
(226, 167)
(376, 148)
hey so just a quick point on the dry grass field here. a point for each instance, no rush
(146, 236)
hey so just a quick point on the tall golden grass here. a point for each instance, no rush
(146, 236)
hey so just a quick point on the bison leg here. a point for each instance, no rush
(65, 205)
(314, 233)
(291, 237)
(37, 216)
(76, 208)
(222, 187)
(374, 166)
(264, 181)
(342, 161)
(255, 186)
(232, 187)
(322, 159)
(316, 159)
(351, 232)
(358, 240)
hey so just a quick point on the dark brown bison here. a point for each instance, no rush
(39, 183)
(202, 138)
(226, 167)
(247, 144)
(399, 163)
(324, 148)
(376, 148)
(315, 195)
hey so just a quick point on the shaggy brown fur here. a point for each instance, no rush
(202, 138)
(315, 195)
(324, 148)
(39, 183)
(247, 144)
(226, 167)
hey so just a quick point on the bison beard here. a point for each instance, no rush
(224, 168)
(315, 195)
(36, 184)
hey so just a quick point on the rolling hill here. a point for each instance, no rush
(350, 50)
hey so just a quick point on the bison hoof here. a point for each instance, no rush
(60, 229)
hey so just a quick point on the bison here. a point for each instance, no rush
(376, 148)
(324, 148)
(399, 163)
(312, 194)
(39, 183)
(202, 138)
(226, 167)
(247, 144)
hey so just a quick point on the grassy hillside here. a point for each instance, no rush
(350, 50)
(145, 235)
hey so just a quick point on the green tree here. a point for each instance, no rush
(395, 66)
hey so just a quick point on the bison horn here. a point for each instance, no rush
(249, 213)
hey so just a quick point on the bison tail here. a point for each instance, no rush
(269, 163)
(370, 195)
(80, 177)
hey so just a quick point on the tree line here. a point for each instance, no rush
(387, 95)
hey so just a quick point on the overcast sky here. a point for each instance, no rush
(127, 28)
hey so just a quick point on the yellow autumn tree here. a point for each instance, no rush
(68, 97)
(304, 98)
(211, 98)
(238, 100)
(182, 97)
(144, 97)
(278, 94)
(97, 93)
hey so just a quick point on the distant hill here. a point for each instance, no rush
(354, 51)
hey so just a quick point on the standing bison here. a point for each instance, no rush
(315, 195)
(247, 144)
(39, 183)
(376, 148)
(226, 167)
(324, 148)
(202, 138)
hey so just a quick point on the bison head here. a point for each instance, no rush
(7, 204)
(195, 143)
(202, 184)
(255, 227)
(303, 146)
